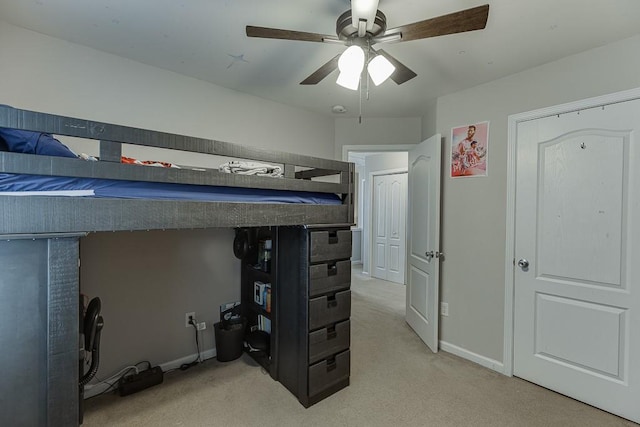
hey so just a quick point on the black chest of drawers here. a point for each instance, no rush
(314, 300)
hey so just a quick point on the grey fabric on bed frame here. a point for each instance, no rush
(39, 243)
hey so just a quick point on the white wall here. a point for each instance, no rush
(376, 131)
(429, 120)
(474, 209)
(46, 74)
(179, 271)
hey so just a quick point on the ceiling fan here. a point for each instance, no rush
(364, 26)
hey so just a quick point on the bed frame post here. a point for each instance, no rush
(289, 171)
(110, 151)
(39, 324)
(348, 178)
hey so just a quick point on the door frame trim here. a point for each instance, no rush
(509, 271)
(374, 148)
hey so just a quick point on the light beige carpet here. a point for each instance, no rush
(395, 381)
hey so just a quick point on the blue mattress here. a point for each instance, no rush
(25, 185)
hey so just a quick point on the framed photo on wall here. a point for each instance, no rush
(469, 150)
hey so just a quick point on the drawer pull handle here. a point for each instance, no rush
(331, 364)
(332, 303)
(333, 237)
(331, 333)
(332, 270)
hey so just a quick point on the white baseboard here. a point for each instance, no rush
(91, 390)
(473, 357)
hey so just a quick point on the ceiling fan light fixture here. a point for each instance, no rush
(350, 64)
(348, 80)
(352, 60)
(380, 69)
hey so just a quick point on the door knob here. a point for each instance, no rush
(436, 254)
(523, 263)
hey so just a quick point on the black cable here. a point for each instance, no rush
(95, 362)
(197, 360)
(112, 384)
(198, 346)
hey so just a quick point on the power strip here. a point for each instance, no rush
(140, 381)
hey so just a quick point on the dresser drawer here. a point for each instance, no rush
(329, 372)
(329, 277)
(328, 245)
(330, 340)
(329, 309)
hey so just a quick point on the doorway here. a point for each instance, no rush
(422, 254)
(370, 161)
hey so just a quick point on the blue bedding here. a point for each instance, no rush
(108, 188)
(28, 142)
(21, 141)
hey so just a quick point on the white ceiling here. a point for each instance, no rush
(200, 38)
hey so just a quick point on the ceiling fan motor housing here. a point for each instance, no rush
(346, 31)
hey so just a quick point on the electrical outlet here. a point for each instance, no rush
(202, 326)
(444, 308)
(187, 317)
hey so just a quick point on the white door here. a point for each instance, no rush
(577, 304)
(423, 240)
(389, 223)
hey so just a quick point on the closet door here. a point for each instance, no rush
(577, 284)
(389, 224)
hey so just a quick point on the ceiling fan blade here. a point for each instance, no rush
(275, 33)
(322, 72)
(457, 22)
(402, 73)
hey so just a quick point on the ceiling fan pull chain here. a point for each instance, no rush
(364, 72)
(360, 103)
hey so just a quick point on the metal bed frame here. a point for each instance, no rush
(39, 243)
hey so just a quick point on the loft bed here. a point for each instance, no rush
(51, 214)
(39, 236)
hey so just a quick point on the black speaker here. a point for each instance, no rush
(244, 243)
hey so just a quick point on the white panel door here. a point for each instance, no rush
(577, 303)
(389, 227)
(379, 221)
(396, 224)
(423, 240)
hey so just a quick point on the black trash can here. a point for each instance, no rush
(229, 342)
